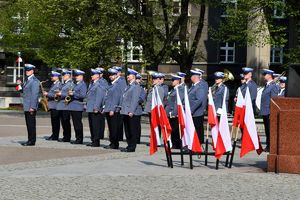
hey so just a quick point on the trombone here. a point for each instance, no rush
(44, 100)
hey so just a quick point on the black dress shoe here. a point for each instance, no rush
(28, 144)
(89, 144)
(63, 140)
(111, 147)
(95, 144)
(128, 150)
(51, 138)
(77, 142)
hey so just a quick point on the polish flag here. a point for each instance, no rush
(19, 87)
(19, 60)
(239, 112)
(212, 119)
(181, 119)
(154, 130)
(250, 140)
(223, 143)
(163, 120)
(190, 136)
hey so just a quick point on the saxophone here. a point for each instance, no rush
(44, 100)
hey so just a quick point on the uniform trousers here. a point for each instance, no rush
(97, 126)
(138, 130)
(198, 122)
(55, 122)
(131, 123)
(114, 122)
(77, 123)
(266, 119)
(30, 119)
(65, 122)
(175, 132)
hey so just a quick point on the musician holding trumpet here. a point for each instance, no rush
(52, 104)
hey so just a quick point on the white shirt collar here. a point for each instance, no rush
(177, 86)
(269, 82)
(115, 80)
(56, 81)
(30, 77)
(196, 83)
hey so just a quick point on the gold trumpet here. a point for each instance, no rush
(68, 98)
(56, 96)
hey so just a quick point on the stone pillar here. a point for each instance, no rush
(258, 54)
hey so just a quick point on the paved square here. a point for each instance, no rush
(53, 170)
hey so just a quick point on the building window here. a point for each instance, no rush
(276, 55)
(134, 51)
(227, 52)
(176, 8)
(278, 11)
(227, 4)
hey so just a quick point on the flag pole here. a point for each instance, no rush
(169, 149)
(206, 143)
(234, 145)
(181, 150)
(228, 154)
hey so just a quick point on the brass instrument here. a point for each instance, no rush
(277, 79)
(44, 99)
(228, 76)
(149, 79)
(56, 96)
(68, 98)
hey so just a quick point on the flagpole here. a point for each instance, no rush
(19, 64)
(206, 143)
(234, 145)
(227, 156)
(181, 150)
(169, 149)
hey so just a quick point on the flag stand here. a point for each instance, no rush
(227, 157)
(170, 155)
(191, 159)
(234, 145)
(206, 144)
(217, 164)
(167, 156)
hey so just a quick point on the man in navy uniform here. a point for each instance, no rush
(95, 99)
(164, 86)
(218, 93)
(182, 75)
(76, 105)
(52, 103)
(142, 99)
(198, 101)
(250, 84)
(131, 110)
(31, 90)
(121, 81)
(270, 90)
(172, 110)
(112, 109)
(282, 81)
(102, 80)
(63, 106)
(241, 87)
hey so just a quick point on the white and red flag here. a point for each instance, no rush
(239, 112)
(190, 137)
(19, 59)
(212, 119)
(250, 139)
(163, 120)
(223, 143)
(181, 118)
(154, 125)
(19, 87)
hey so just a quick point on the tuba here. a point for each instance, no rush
(44, 100)
(228, 76)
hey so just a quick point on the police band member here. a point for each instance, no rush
(112, 109)
(63, 106)
(102, 80)
(131, 110)
(218, 93)
(157, 86)
(76, 105)
(198, 101)
(249, 83)
(182, 82)
(31, 90)
(122, 84)
(163, 85)
(282, 81)
(172, 110)
(52, 103)
(270, 90)
(243, 81)
(142, 99)
(94, 107)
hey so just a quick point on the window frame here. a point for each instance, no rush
(227, 48)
